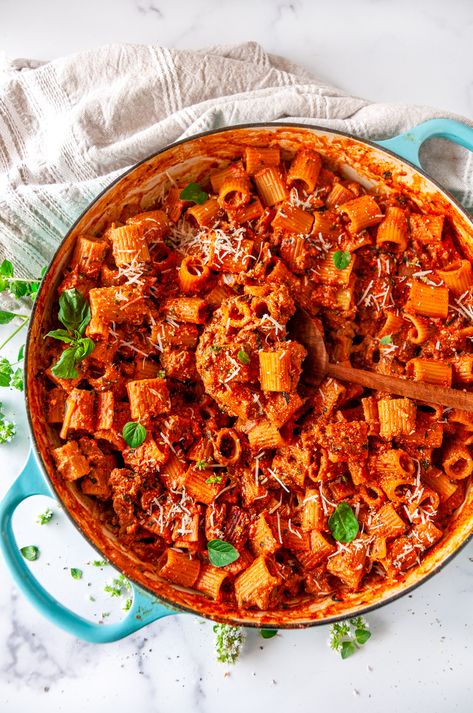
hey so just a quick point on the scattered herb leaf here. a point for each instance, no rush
(30, 553)
(243, 357)
(76, 573)
(134, 434)
(100, 563)
(221, 553)
(119, 586)
(214, 479)
(343, 523)
(268, 633)
(45, 517)
(341, 259)
(193, 192)
(201, 465)
(386, 340)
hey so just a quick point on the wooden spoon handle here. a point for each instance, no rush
(413, 389)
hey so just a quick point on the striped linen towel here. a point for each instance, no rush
(70, 126)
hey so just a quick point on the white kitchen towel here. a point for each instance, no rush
(68, 127)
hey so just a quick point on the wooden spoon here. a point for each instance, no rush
(303, 329)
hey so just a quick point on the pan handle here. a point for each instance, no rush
(145, 608)
(408, 145)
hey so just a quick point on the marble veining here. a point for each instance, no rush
(421, 652)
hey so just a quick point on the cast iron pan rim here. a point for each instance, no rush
(235, 621)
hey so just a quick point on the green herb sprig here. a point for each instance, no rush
(7, 428)
(347, 637)
(74, 313)
(18, 288)
(228, 642)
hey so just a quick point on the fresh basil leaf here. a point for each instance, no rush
(65, 367)
(21, 353)
(74, 310)
(362, 636)
(3, 284)
(5, 372)
(76, 573)
(386, 340)
(30, 553)
(341, 259)
(60, 334)
(6, 269)
(6, 317)
(343, 523)
(194, 193)
(43, 271)
(243, 357)
(221, 553)
(17, 379)
(84, 347)
(268, 633)
(134, 434)
(348, 649)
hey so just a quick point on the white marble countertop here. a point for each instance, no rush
(421, 652)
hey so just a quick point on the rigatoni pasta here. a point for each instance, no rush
(190, 420)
